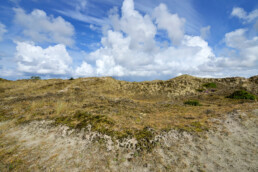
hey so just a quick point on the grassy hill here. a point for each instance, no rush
(122, 110)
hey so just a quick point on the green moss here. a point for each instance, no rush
(193, 127)
(144, 138)
(80, 120)
(210, 85)
(103, 124)
(242, 94)
(192, 103)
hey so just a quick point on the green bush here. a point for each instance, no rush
(192, 103)
(210, 85)
(242, 94)
(200, 90)
(35, 77)
(71, 78)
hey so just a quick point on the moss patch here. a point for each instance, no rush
(144, 138)
(193, 127)
(79, 120)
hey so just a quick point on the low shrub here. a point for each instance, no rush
(35, 77)
(242, 94)
(210, 85)
(200, 90)
(192, 103)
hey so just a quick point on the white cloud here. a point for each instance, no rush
(236, 38)
(205, 32)
(84, 70)
(42, 28)
(130, 49)
(140, 29)
(33, 59)
(2, 31)
(172, 23)
(242, 14)
(247, 49)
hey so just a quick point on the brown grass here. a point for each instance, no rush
(131, 105)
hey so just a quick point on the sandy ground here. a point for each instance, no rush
(232, 145)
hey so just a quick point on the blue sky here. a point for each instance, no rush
(126, 39)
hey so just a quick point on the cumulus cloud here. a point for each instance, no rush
(129, 47)
(42, 28)
(32, 59)
(242, 14)
(84, 70)
(172, 23)
(247, 49)
(2, 31)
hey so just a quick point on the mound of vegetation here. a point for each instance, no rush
(210, 85)
(242, 94)
(192, 103)
(2, 79)
(35, 78)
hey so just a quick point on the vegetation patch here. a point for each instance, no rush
(4, 116)
(242, 94)
(200, 90)
(1, 79)
(35, 78)
(210, 85)
(193, 127)
(192, 103)
(145, 139)
(79, 120)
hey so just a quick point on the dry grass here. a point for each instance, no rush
(116, 108)
(131, 105)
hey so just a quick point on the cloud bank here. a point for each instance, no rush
(131, 46)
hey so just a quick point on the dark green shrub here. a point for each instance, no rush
(210, 85)
(242, 94)
(200, 90)
(71, 78)
(35, 77)
(192, 103)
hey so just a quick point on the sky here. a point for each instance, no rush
(132, 40)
